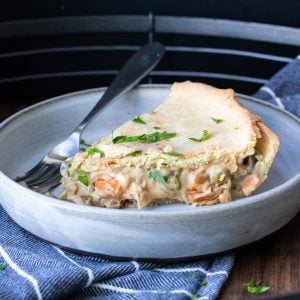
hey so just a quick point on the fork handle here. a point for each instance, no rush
(136, 68)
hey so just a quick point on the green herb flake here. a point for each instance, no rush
(83, 144)
(138, 120)
(94, 150)
(255, 287)
(202, 283)
(2, 267)
(156, 175)
(172, 153)
(202, 138)
(217, 121)
(156, 127)
(68, 170)
(153, 112)
(144, 138)
(196, 276)
(136, 153)
(82, 177)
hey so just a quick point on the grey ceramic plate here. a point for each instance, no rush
(165, 232)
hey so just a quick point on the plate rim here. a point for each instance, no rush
(93, 210)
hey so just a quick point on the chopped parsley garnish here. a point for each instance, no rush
(94, 150)
(255, 288)
(138, 120)
(156, 175)
(172, 153)
(144, 138)
(82, 177)
(2, 267)
(136, 153)
(83, 144)
(217, 121)
(68, 170)
(202, 138)
(202, 283)
(152, 112)
(156, 127)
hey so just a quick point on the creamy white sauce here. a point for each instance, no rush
(137, 186)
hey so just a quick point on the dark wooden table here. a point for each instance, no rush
(275, 260)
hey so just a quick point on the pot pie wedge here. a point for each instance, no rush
(199, 147)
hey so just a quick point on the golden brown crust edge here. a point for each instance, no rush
(267, 145)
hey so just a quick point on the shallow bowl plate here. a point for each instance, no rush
(164, 232)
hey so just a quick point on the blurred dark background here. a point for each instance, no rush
(38, 61)
(281, 12)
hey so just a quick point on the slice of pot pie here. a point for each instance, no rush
(199, 147)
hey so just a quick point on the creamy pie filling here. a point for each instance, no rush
(116, 187)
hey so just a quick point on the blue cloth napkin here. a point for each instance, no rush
(34, 269)
(283, 89)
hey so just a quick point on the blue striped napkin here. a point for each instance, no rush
(283, 89)
(34, 269)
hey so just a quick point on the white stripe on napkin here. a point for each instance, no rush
(192, 270)
(89, 271)
(22, 273)
(136, 265)
(132, 291)
(273, 95)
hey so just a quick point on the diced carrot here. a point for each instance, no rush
(107, 161)
(196, 197)
(250, 184)
(110, 186)
(198, 180)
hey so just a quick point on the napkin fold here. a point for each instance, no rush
(283, 89)
(34, 269)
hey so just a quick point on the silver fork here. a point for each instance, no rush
(45, 175)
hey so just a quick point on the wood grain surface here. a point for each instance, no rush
(275, 260)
